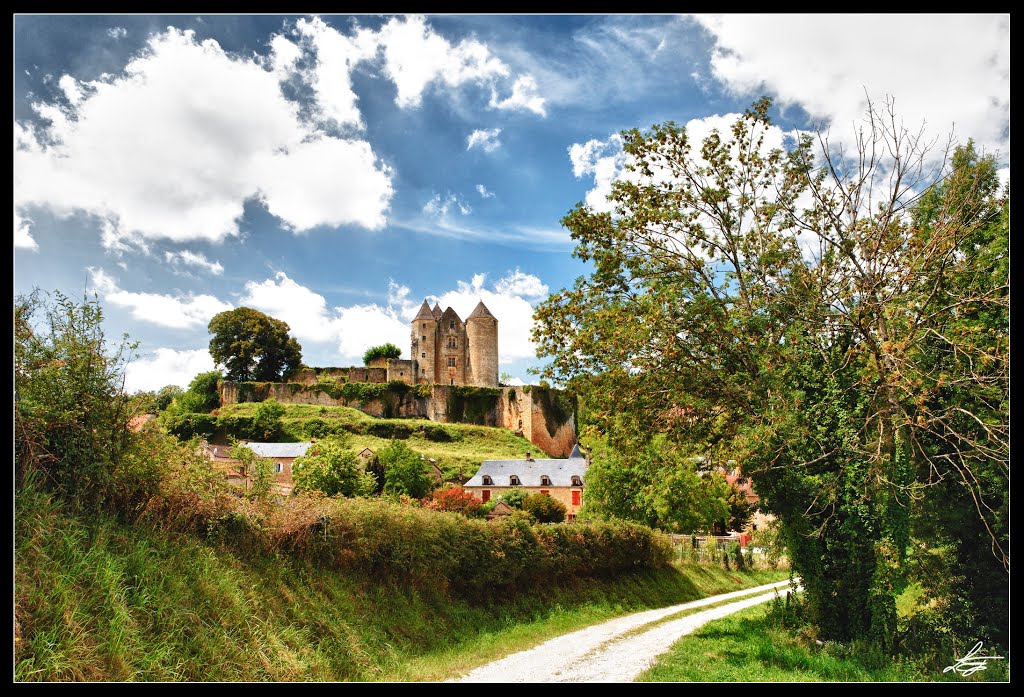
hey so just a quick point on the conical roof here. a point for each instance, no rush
(575, 452)
(436, 311)
(480, 311)
(424, 312)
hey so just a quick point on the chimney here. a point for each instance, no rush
(528, 458)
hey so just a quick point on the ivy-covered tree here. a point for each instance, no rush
(387, 350)
(253, 346)
(806, 314)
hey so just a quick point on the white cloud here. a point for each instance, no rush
(605, 160)
(166, 367)
(521, 284)
(441, 206)
(335, 57)
(22, 235)
(174, 146)
(524, 96)
(484, 138)
(69, 86)
(941, 69)
(415, 56)
(304, 310)
(176, 312)
(194, 259)
(484, 193)
(117, 33)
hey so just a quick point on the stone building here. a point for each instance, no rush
(447, 351)
(561, 478)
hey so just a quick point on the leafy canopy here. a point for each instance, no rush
(253, 346)
(387, 350)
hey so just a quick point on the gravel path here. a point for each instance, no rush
(617, 650)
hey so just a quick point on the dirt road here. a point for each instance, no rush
(617, 650)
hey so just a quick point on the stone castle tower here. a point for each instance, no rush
(447, 351)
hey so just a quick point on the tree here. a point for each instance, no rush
(405, 471)
(202, 395)
(515, 497)
(387, 350)
(253, 346)
(258, 471)
(267, 419)
(818, 320)
(330, 467)
(165, 396)
(71, 430)
(545, 508)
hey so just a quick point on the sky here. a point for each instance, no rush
(336, 171)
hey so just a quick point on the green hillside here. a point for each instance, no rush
(458, 448)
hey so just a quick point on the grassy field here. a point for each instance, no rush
(104, 601)
(749, 647)
(460, 457)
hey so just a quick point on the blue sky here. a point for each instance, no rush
(335, 171)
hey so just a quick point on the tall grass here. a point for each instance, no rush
(99, 600)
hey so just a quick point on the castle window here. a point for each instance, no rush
(424, 328)
(513, 480)
(545, 480)
(488, 481)
(451, 361)
(424, 337)
(451, 325)
(452, 342)
(576, 481)
(423, 355)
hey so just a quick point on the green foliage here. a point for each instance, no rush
(71, 411)
(258, 472)
(387, 350)
(331, 468)
(165, 396)
(405, 471)
(253, 346)
(267, 420)
(864, 387)
(654, 486)
(515, 497)
(544, 508)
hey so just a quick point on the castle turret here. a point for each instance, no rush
(451, 349)
(482, 333)
(424, 344)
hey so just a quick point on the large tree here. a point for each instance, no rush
(834, 321)
(253, 346)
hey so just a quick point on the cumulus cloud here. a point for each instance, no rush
(304, 310)
(117, 33)
(524, 96)
(935, 79)
(484, 138)
(187, 258)
(173, 147)
(177, 312)
(166, 367)
(415, 56)
(484, 193)
(22, 235)
(605, 160)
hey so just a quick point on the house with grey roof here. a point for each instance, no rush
(561, 478)
(281, 455)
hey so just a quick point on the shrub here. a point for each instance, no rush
(454, 499)
(332, 469)
(387, 350)
(545, 508)
(405, 470)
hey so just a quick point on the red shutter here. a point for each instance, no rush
(575, 498)
(486, 495)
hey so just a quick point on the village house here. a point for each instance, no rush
(562, 479)
(281, 455)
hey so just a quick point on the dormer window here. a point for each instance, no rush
(488, 481)
(545, 480)
(576, 481)
(513, 480)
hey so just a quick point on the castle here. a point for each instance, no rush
(447, 351)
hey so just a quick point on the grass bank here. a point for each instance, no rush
(99, 600)
(750, 647)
